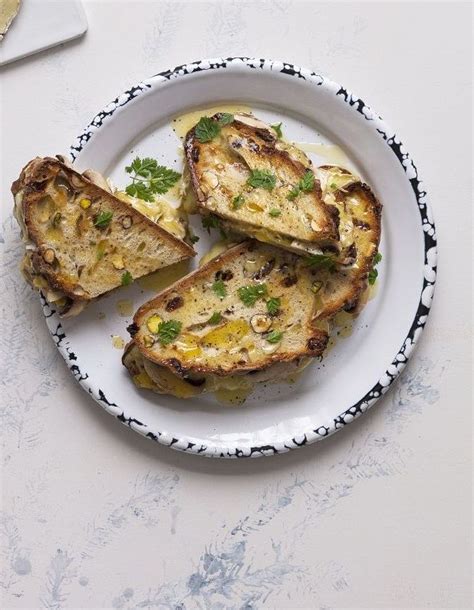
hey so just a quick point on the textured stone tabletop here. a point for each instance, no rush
(379, 515)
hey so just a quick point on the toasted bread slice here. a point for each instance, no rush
(82, 241)
(227, 317)
(220, 171)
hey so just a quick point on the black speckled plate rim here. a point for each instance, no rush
(398, 363)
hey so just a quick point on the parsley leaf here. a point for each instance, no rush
(307, 181)
(210, 222)
(238, 201)
(306, 184)
(149, 178)
(293, 194)
(215, 318)
(226, 118)
(277, 128)
(321, 260)
(194, 239)
(262, 178)
(249, 295)
(274, 212)
(168, 331)
(219, 289)
(126, 278)
(273, 305)
(274, 336)
(373, 273)
(207, 129)
(103, 219)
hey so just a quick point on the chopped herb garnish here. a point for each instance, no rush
(226, 118)
(149, 178)
(219, 289)
(321, 260)
(238, 201)
(249, 295)
(293, 194)
(277, 128)
(207, 129)
(168, 331)
(333, 185)
(274, 336)
(262, 178)
(273, 305)
(274, 212)
(210, 222)
(57, 219)
(373, 273)
(215, 318)
(103, 219)
(307, 181)
(194, 239)
(306, 184)
(126, 278)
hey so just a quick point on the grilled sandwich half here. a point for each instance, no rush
(258, 185)
(255, 312)
(81, 240)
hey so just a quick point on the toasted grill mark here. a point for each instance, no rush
(195, 154)
(265, 134)
(290, 280)
(224, 275)
(360, 223)
(316, 344)
(132, 329)
(264, 270)
(174, 303)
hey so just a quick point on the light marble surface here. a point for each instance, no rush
(378, 516)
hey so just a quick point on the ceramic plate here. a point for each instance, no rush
(363, 362)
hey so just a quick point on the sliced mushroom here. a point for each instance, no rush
(97, 179)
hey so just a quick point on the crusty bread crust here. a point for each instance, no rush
(29, 188)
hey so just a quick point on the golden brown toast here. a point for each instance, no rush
(82, 241)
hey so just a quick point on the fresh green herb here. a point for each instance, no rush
(306, 184)
(274, 212)
(262, 178)
(207, 129)
(373, 273)
(126, 278)
(307, 181)
(273, 305)
(210, 222)
(293, 194)
(103, 219)
(194, 239)
(226, 118)
(274, 336)
(238, 201)
(215, 318)
(219, 289)
(277, 128)
(149, 178)
(168, 331)
(321, 260)
(333, 185)
(249, 295)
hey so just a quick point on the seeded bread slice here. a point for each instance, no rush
(220, 170)
(81, 240)
(223, 328)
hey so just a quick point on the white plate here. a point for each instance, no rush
(361, 367)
